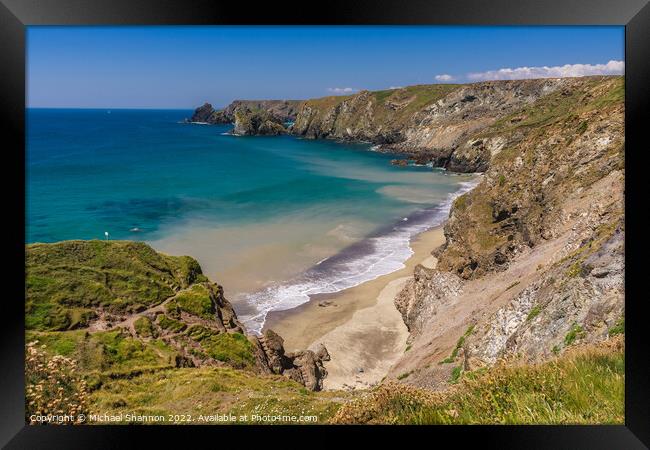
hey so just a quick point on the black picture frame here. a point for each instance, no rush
(15, 15)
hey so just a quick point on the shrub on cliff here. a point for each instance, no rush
(53, 386)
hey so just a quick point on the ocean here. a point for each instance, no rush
(272, 219)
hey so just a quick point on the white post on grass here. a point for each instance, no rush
(106, 234)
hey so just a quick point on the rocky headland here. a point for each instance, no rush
(282, 110)
(257, 123)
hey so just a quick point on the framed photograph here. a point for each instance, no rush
(416, 218)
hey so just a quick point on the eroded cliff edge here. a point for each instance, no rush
(534, 256)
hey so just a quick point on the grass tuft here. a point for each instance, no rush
(534, 312)
(574, 333)
(618, 328)
(451, 358)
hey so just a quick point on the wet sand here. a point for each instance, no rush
(360, 326)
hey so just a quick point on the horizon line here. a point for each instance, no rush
(355, 91)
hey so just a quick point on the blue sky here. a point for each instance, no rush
(182, 67)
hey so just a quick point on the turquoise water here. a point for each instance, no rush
(261, 211)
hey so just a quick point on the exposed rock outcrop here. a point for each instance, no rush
(305, 366)
(207, 114)
(283, 110)
(257, 123)
(424, 294)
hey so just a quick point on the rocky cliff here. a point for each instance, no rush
(282, 110)
(429, 123)
(160, 310)
(257, 123)
(534, 256)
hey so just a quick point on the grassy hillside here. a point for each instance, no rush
(397, 106)
(68, 281)
(213, 391)
(586, 385)
(154, 337)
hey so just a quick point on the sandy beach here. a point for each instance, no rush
(360, 326)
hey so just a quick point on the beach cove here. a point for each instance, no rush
(360, 326)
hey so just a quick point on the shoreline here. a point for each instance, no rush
(425, 220)
(360, 326)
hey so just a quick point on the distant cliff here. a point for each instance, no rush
(438, 123)
(430, 123)
(282, 110)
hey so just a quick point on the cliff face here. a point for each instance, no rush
(282, 110)
(257, 123)
(534, 257)
(160, 310)
(427, 122)
(379, 117)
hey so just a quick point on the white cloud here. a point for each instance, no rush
(395, 87)
(444, 77)
(346, 90)
(568, 70)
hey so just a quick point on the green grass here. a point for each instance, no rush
(67, 281)
(404, 375)
(195, 300)
(195, 391)
(451, 358)
(170, 324)
(618, 328)
(560, 107)
(107, 354)
(584, 386)
(455, 374)
(534, 312)
(461, 202)
(612, 96)
(574, 270)
(381, 96)
(582, 127)
(574, 333)
(144, 327)
(232, 348)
